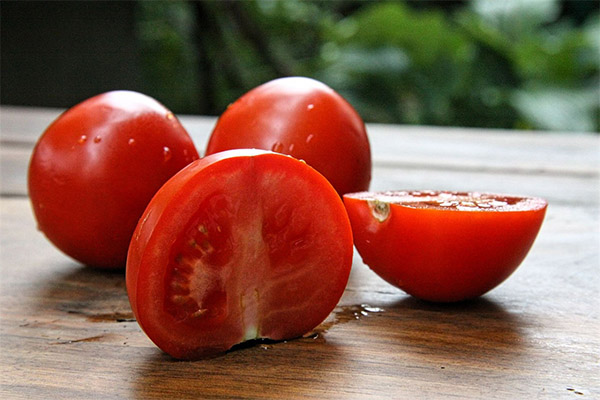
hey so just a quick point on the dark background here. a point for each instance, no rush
(533, 66)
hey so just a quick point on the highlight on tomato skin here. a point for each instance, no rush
(443, 246)
(239, 245)
(306, 119)
(96, 167)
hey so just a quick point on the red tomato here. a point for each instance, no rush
(443, 246)
(239, 245)
(95, 169)
(305, 119)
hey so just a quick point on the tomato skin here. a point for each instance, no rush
(303, 118)
(239, 245)
(96, 167)
(443, 254)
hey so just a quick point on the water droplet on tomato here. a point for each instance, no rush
(167, 154)
(309, 138)
(277, 147)
(131, 141)
(82, 139)
(291, 148)
(170, 115)
(310, 106)
(97, 139)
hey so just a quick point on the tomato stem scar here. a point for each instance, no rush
(379, 209)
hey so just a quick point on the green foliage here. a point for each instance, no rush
(168, 56)
(483, 63)
(555, 64)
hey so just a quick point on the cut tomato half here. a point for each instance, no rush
(443, 246)
(240, 245)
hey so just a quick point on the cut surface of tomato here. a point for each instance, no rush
(443, 246)
(240, 245)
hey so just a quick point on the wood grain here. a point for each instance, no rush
(67, 332)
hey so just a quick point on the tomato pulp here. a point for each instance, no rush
(95, 168)
(443, 246)
(239, 245)
(303, 118)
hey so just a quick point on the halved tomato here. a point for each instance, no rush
(239, 245)
(443, 246)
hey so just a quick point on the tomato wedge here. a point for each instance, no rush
(443, 246)
(239, 245)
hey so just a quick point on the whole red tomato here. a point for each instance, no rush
(443, 246)
(95, 168)
(306, 119)
(239, 245)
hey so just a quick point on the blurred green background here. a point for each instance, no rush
(525, 64)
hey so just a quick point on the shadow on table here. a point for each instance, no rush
(298, 368)
(477, 330)
(96, 295)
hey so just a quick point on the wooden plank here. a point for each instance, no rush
(67, 331)
(417, 150)
(507, 151)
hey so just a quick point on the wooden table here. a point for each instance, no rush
(67, 331)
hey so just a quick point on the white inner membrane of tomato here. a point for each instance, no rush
(205, 246)
(256, 255)
(449, 200)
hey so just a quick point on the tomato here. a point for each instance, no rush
(306, 119)
(443, 246)
(96, 167)
(239, 245)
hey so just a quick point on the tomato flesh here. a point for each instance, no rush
(443, 246)
(240, 245)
